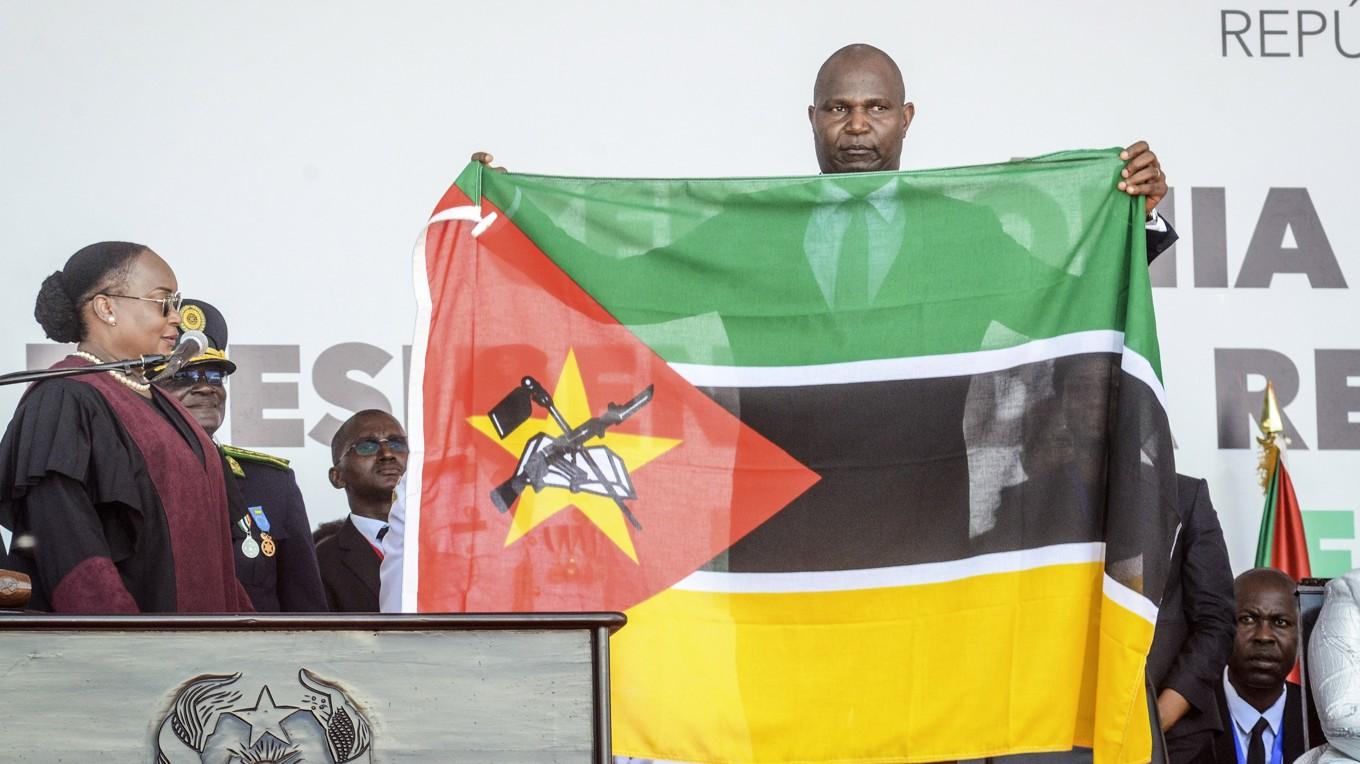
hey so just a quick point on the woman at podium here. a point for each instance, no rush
(114, 494)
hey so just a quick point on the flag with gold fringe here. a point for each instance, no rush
(877, 465)
(1281, 542)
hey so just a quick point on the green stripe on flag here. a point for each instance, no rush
(690, 261)
(1265, 540)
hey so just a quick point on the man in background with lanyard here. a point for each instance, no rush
(1263, 717)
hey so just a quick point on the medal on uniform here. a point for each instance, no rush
(261, 519)
(250, 548)
(267, 544)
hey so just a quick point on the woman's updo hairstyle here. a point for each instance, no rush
(90, 270)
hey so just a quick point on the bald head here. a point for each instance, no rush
(859, 112)
(1256, 581)
(855, 60)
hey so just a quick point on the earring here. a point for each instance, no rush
(113, 321)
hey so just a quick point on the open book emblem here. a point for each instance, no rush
(565, 461)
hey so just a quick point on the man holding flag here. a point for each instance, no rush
(860, 115)
(853, 452)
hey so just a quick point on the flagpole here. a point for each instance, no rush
(1271, 426)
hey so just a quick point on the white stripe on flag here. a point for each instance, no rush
(415, 407)
(415, 426)
(1138, 367)
(1130, 600)
(918, 367)
(898, 575)
(930, 366)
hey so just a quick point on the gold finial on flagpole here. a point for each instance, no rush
(1271, 421)
(1271, 424)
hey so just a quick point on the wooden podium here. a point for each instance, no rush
(294, 688)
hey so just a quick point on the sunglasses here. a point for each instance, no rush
(371, 446)
(214, 377)
(169, 303)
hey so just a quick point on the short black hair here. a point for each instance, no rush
(1265, 576)
(92, 269)
(340, 441)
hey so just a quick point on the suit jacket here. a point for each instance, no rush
(287, 581)
(1196, 620)
(349, 571)
(1224, 749)
(1160, 241)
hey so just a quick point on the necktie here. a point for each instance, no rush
(1256, 749)
(382, 532)
(852, 269)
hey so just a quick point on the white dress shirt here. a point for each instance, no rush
(1245, 716)
(1155, 222)
(369, 527)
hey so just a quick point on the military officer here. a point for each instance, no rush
(275, 558)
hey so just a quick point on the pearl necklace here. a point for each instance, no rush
(125, 380)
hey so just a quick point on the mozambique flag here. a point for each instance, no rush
(877, 464)
(1281, 543)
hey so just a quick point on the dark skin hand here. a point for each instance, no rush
(485, 158)
(1142, 174)
(1171, 706)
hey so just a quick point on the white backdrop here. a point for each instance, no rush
(282, 157)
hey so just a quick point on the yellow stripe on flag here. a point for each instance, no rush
(1125, 732)
(984, 666)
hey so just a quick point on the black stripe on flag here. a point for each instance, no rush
(934, 470)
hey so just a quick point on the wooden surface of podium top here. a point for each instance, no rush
(20, 620)
(521, 687)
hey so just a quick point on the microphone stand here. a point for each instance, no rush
(18, 377)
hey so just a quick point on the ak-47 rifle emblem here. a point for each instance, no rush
(565, 461)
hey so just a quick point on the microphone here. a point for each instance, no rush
(191, 343)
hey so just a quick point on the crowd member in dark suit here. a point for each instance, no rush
(327, 529)
(1194, 634)
(1261, 712)
(369, 453)
(275, 557)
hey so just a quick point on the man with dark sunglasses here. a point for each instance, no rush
(369, 453)
(275, 557)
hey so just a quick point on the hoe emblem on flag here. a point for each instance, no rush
(565, 461)
(572, 458)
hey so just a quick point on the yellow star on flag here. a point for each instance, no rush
(535, 507)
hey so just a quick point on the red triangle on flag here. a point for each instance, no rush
(692, 475)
